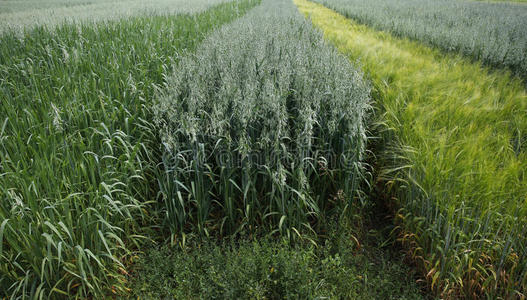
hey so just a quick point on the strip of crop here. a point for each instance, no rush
(77, 149)
(263, 129)
(494, 33)
(509, 1)
(23, 15)
(452, 152)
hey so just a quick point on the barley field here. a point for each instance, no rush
(263, 149)
(451, 152)
(493, 33)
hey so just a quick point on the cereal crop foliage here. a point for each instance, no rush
(78, 151)
(17, 15)
(450, 158)
(494, 33)
(264, 129)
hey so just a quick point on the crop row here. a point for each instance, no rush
(494, 33)
(20, 15)
(263, 129)
(78, 148)
(450, 157)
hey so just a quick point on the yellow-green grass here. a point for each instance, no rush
(453, 137)
(492, 33)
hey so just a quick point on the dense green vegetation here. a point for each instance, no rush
(520, 2)
(78, 150)
(20, 14)
(269, 269)
(264, 130)
(494, 33)
(10, 6)
(451, 157)
(209, 149)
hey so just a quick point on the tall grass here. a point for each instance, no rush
(10, 6)
(451, 157)
(263, 130)
(78, 151)
(20, 15)
(520, 2)
(494, 33)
